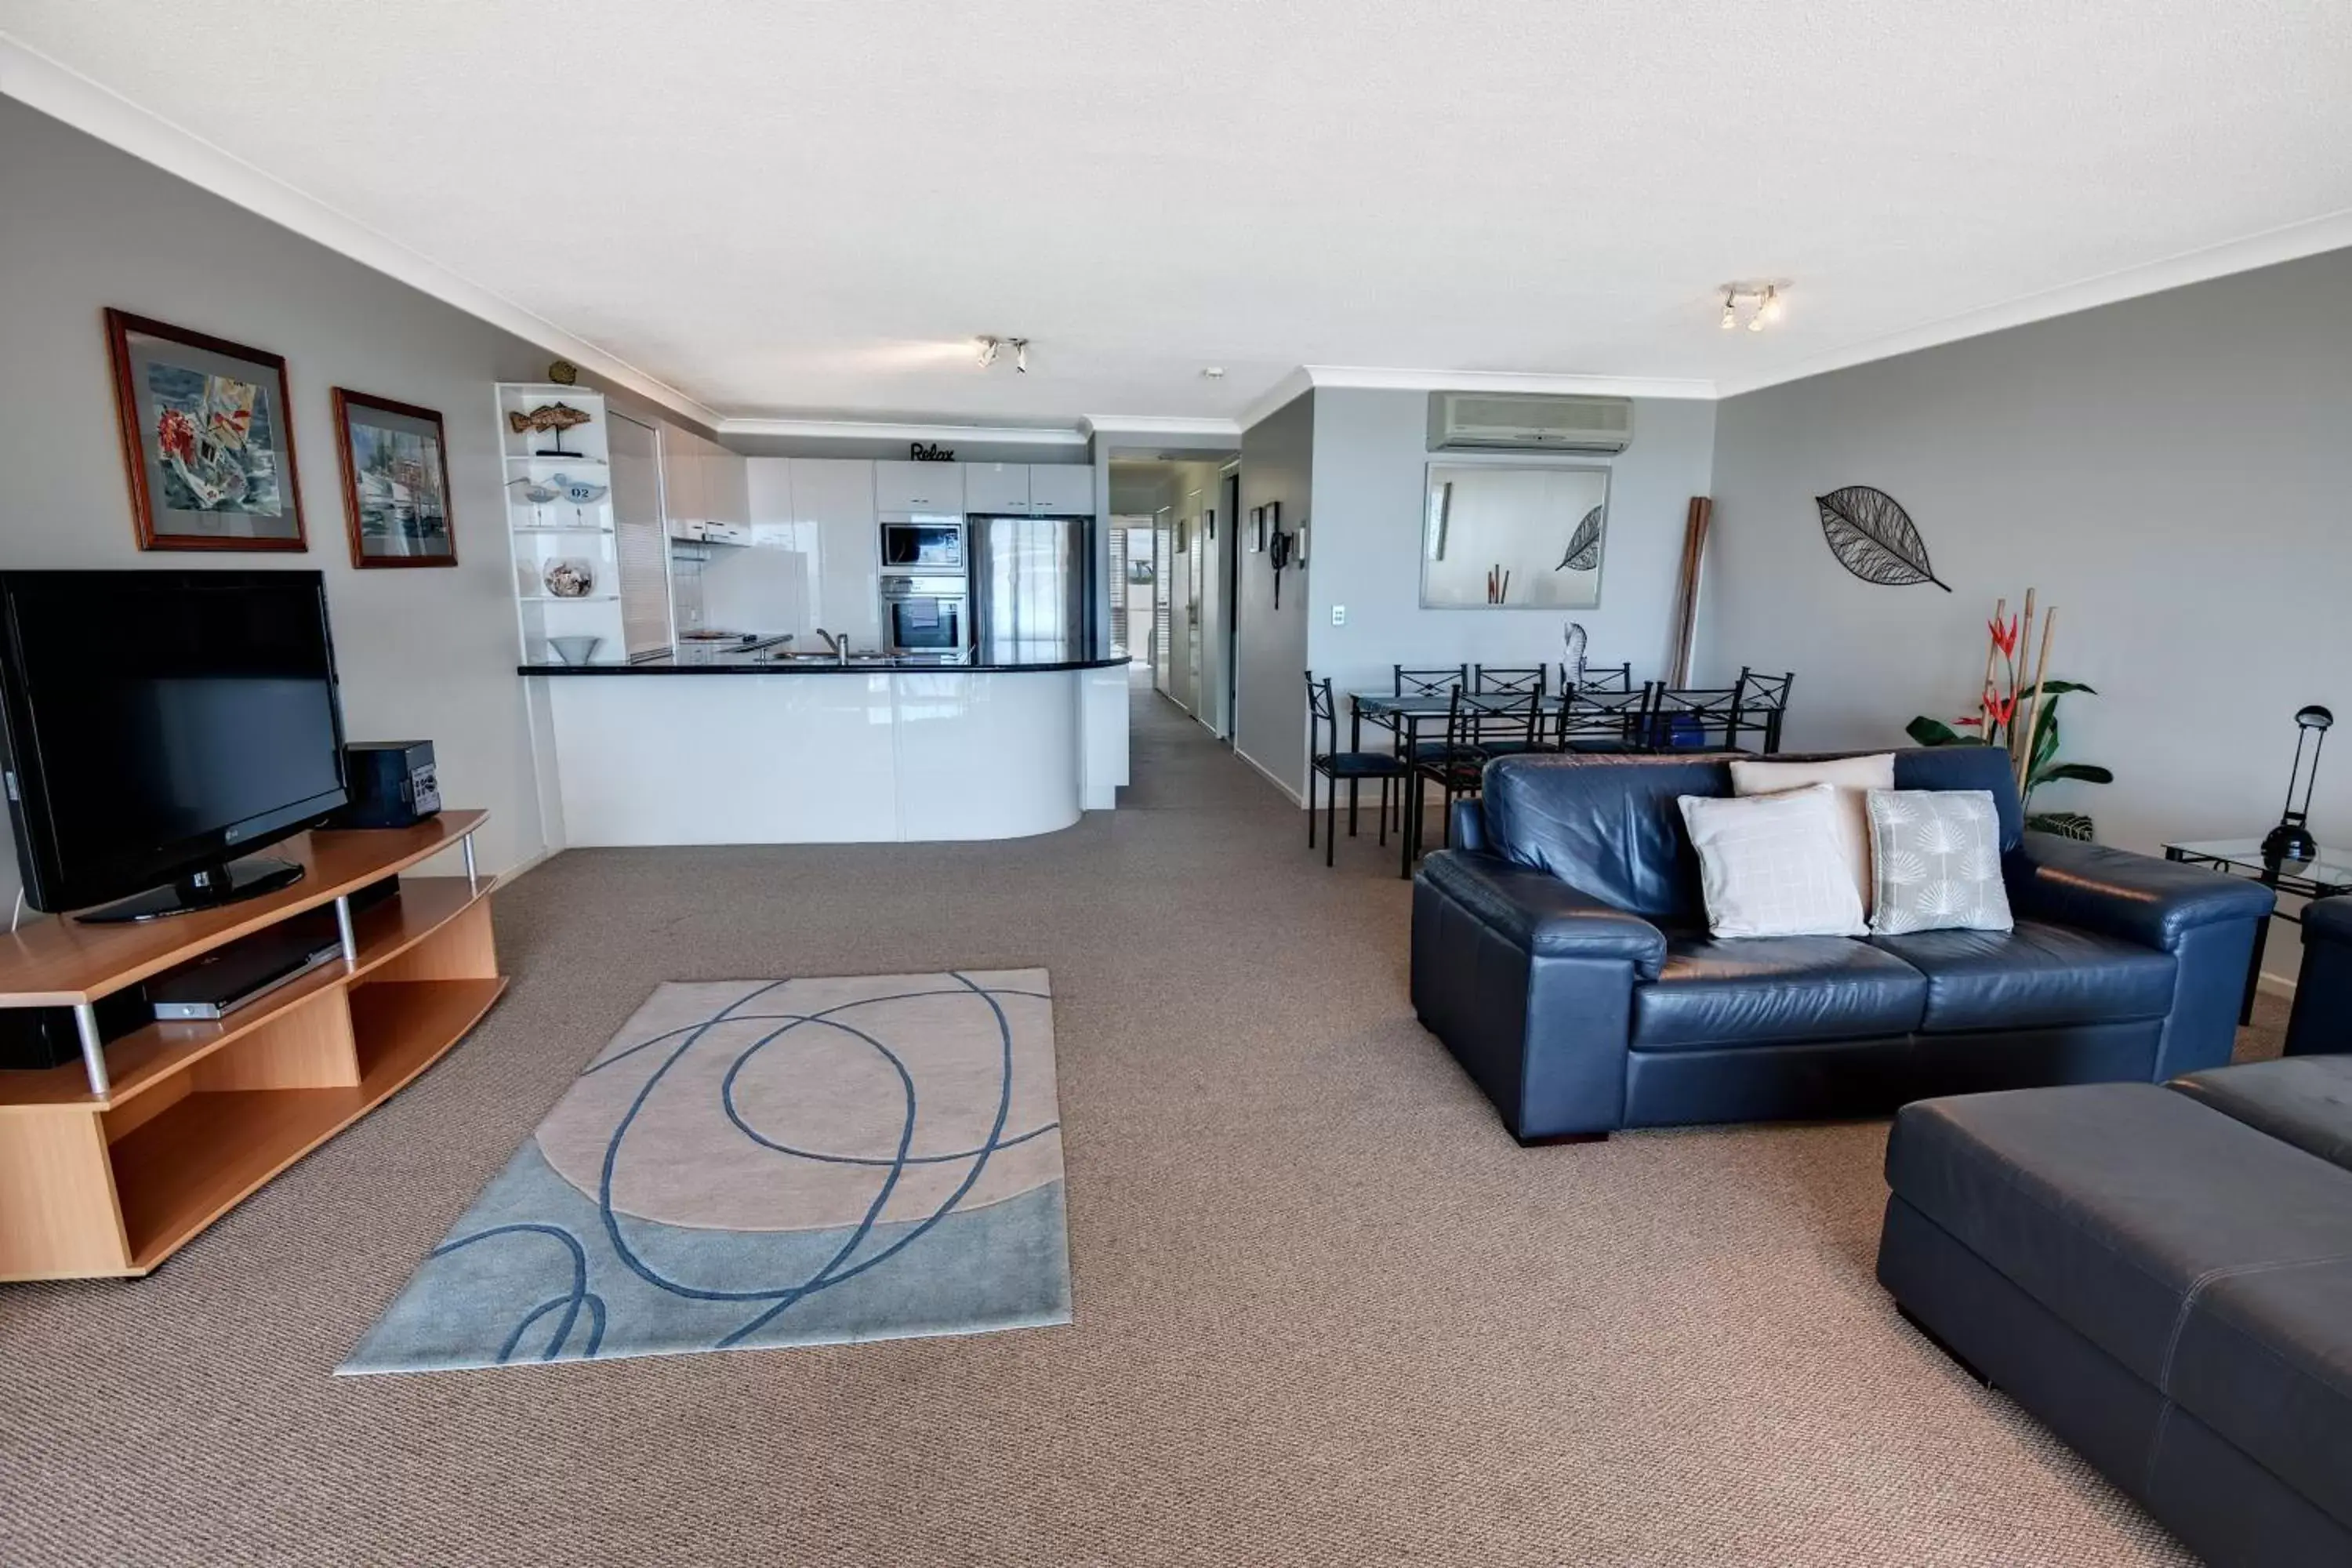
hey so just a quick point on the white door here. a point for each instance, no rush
(923, 490)
(1061, 489)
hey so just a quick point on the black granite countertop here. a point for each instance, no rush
(720, 659)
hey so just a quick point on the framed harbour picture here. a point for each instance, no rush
(208, 438)
(395, 482)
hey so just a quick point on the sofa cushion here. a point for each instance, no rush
(2116, 1205)
(2304, 1100)
(1762, 989)
(1610, 825)
(2037, 975)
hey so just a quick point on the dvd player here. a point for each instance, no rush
(244, 970)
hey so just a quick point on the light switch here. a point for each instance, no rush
(1339, 614)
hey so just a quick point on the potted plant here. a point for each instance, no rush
(2019, 710)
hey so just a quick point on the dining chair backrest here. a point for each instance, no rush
(1695, 718)
(1599, 678)
(1322, 714)
(1429, 682)
(1605, 716)
(1514, 716)
(1507, 680)
(1763, 704)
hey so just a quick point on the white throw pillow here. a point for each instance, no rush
(1853, 778)
(1772, 865)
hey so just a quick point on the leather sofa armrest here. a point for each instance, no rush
(2134, 897)
(2328, 921)
(1541, 914)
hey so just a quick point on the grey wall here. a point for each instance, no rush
(1270, 644)
(1371, 459)
(423, 653)
(2173, 473)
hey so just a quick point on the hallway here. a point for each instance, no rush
(1327, 1312)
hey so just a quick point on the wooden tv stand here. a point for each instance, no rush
(109, 1165)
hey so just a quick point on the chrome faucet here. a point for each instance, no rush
(837, 647)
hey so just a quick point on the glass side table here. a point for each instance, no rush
(2325, 875)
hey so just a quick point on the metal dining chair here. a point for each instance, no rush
(1455, 767)
(1335, 767)
(1507, 681)
(1605, 721)
(1763, 703)
(1695, 718)
(1426, 683)
(1599, 678)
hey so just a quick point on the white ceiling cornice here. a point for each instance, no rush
(34, 79)
(1164, 426)
(883, 430)
(1388, 380)
(2292, 243)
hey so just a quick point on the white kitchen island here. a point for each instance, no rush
(759, 750)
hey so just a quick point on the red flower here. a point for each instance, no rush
(2004, 638)
(1999, 708)
(1970, 720)
(175, 433)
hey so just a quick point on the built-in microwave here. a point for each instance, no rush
(922, 546)
(924, 615)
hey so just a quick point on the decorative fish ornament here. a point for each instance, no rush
(556, 417)
(579, 492)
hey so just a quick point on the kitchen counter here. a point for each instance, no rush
(888, 749)
(722, 658)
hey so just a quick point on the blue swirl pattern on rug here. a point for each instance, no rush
(580, 1252)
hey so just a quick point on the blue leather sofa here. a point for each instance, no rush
(1559, 950)
(2322, 1021)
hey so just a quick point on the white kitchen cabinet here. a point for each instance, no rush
(1061, 489)
(728, 492)
(996, 490)
(921, 490)
(833, 498)
(681, 464)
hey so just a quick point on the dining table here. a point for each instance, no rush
(1406, 715)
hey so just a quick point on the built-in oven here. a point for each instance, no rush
(925, 615)
(918, 545)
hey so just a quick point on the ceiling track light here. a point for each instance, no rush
(1020, 354)
(1764, 302)
(988, 347)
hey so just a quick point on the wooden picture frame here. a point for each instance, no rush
(396, 492)
(207, 440)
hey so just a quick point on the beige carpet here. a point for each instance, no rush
(1327, 1312)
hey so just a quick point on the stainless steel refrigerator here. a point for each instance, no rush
(1031, 582)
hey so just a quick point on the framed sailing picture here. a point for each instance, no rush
(395, 482)
(207, 438)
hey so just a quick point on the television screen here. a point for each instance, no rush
(162, 722)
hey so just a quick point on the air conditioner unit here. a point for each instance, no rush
(1525, 421)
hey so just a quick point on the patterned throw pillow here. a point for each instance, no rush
(1936, 859)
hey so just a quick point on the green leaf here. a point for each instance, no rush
(2064, 823)
(1935, 732)
(2060, 687)
(2081, 772)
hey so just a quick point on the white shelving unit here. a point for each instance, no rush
(542, 533)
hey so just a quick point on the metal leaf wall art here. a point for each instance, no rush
(1874, 538)
(1583, 545)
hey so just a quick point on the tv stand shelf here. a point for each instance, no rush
(196, 1116)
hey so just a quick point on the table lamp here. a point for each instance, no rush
(2291, 839)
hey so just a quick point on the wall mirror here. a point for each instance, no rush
(1497, 536)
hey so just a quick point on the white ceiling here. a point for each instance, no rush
(808, 209)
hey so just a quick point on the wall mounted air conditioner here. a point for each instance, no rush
(1525, 421)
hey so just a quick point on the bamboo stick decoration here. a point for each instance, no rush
(2017, 669)
(2040, 674)
(1992, 652)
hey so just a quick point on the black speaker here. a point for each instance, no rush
(35, 1037)
(392, 784)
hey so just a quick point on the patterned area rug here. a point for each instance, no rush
(754, 1163)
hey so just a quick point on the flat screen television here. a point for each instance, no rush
(161, 725)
